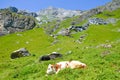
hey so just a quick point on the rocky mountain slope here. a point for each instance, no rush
(51, 13)
(84, 19)
(111, 6)
(14, 20)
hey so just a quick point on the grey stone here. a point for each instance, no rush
(22, 52)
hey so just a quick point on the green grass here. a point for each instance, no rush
(100, 66)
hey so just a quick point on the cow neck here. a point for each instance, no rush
(57, 66)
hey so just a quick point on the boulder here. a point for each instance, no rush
(77, 28)
(22, 52)
(13, 9)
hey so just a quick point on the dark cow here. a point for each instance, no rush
(44, 58)
(53, 55)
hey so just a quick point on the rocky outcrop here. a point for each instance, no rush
(115, 4)
(13, 22)
(97, 21)
(90, 21)
(23, 12)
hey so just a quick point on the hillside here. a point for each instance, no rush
(99, 49)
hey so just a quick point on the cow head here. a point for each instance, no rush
(51, 69)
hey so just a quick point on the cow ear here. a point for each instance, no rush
(49, 65)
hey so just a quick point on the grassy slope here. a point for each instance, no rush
(99, 67)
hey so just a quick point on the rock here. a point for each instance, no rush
(86, 25)
(97, 21)
(104, 46)
(115, 4)
(13, 9)
(111, 20)
(64, 32)
(10, 23)
(104, 53)
(26, 13)
(22, 52)
(76, 28)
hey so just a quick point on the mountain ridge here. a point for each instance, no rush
(52, 13)
(48, 15)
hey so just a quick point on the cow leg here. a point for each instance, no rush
(57, 71)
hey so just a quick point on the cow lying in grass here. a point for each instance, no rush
(53, 55)
(54, 69)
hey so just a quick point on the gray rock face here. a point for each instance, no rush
(77, 28)
(64, 32)
(111, 20)
(12, 22)
(115, 4)
(23, 12)
(22, 52)
(13, 9)
(96, 21)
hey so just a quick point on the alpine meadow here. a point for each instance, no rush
(93, 37)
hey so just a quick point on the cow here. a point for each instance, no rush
(53, 55)
(55, 68)
(44, 58)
